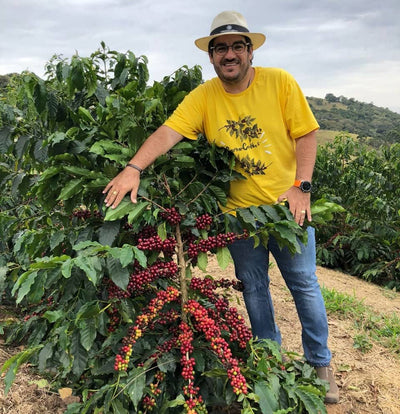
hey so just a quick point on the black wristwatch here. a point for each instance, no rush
(304, 186)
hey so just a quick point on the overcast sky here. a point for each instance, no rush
(349, 48)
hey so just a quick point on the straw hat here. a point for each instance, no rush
(229, 22)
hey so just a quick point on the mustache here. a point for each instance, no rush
(234, 60)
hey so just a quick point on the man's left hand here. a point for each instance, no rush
(299, 204)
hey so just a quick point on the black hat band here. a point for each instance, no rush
(229, 28)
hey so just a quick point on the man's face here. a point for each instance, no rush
(231, 67)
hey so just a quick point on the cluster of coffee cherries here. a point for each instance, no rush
(209, 244)
(122, 359)
(149, 401)
(155, 243)
(234, 322)
(171, 216)
(140, 279)
(150, 312)
(204, 222)
(194, 401)
(204, 323)
(185, 339)
(84, 213)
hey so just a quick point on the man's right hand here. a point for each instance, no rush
(127, 180)
(159, 142)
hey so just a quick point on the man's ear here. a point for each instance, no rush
(210, 56)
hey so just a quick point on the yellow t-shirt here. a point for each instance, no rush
(259, 125)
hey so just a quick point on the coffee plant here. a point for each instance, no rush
(108, 300)
(364, 240)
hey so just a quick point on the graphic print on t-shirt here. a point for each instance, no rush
(249, 136)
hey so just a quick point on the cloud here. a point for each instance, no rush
(330, 47)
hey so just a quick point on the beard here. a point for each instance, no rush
(232, 71)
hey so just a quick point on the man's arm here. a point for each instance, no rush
(158, 143)
(299, 202)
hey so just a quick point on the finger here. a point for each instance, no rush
(107, 187)
(111, 196)
(118, 198)
(300, 217)
(282, 198)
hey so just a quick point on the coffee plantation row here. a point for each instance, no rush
(106, 300)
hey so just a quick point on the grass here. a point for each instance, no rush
(324, 136)
(381, 328)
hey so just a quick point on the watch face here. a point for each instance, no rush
(305, 186)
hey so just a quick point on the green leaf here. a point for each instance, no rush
(25, 286)
(223, 257)
(66, 268)
(124, 254)
(53, 316)
(136, 384)
(44, 355)
(108, 232)
(139, 209)
(88, 310)
(5, 139)
(140, 257)
(111, 150)
(184, 160)
(80, 171)
(91, 266)
(247, 217)
(12, 365)
(88, 332)
(125, 207)
(117, 407)
(286, 236)
(258, 214)
(219, 194)
(178, 401)
(269, 399)
(118, 274)
(56, 239)
(311, 398)
(86, 115)
(202, 261)
(162, 230)
(270, 212)
(49, 262)
(72, 188)
(79, 353)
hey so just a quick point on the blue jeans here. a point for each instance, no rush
(298, 271)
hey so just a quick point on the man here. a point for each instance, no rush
(262, 116)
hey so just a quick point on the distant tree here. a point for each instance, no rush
(4, 80)
(393, 136)
(330, 97)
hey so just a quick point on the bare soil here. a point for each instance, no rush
(369, 381)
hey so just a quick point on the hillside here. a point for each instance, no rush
(374, 124)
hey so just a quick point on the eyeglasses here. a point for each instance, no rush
(222, 48)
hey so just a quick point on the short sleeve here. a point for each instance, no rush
(298, 115)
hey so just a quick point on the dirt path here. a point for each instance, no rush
(369, 382)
